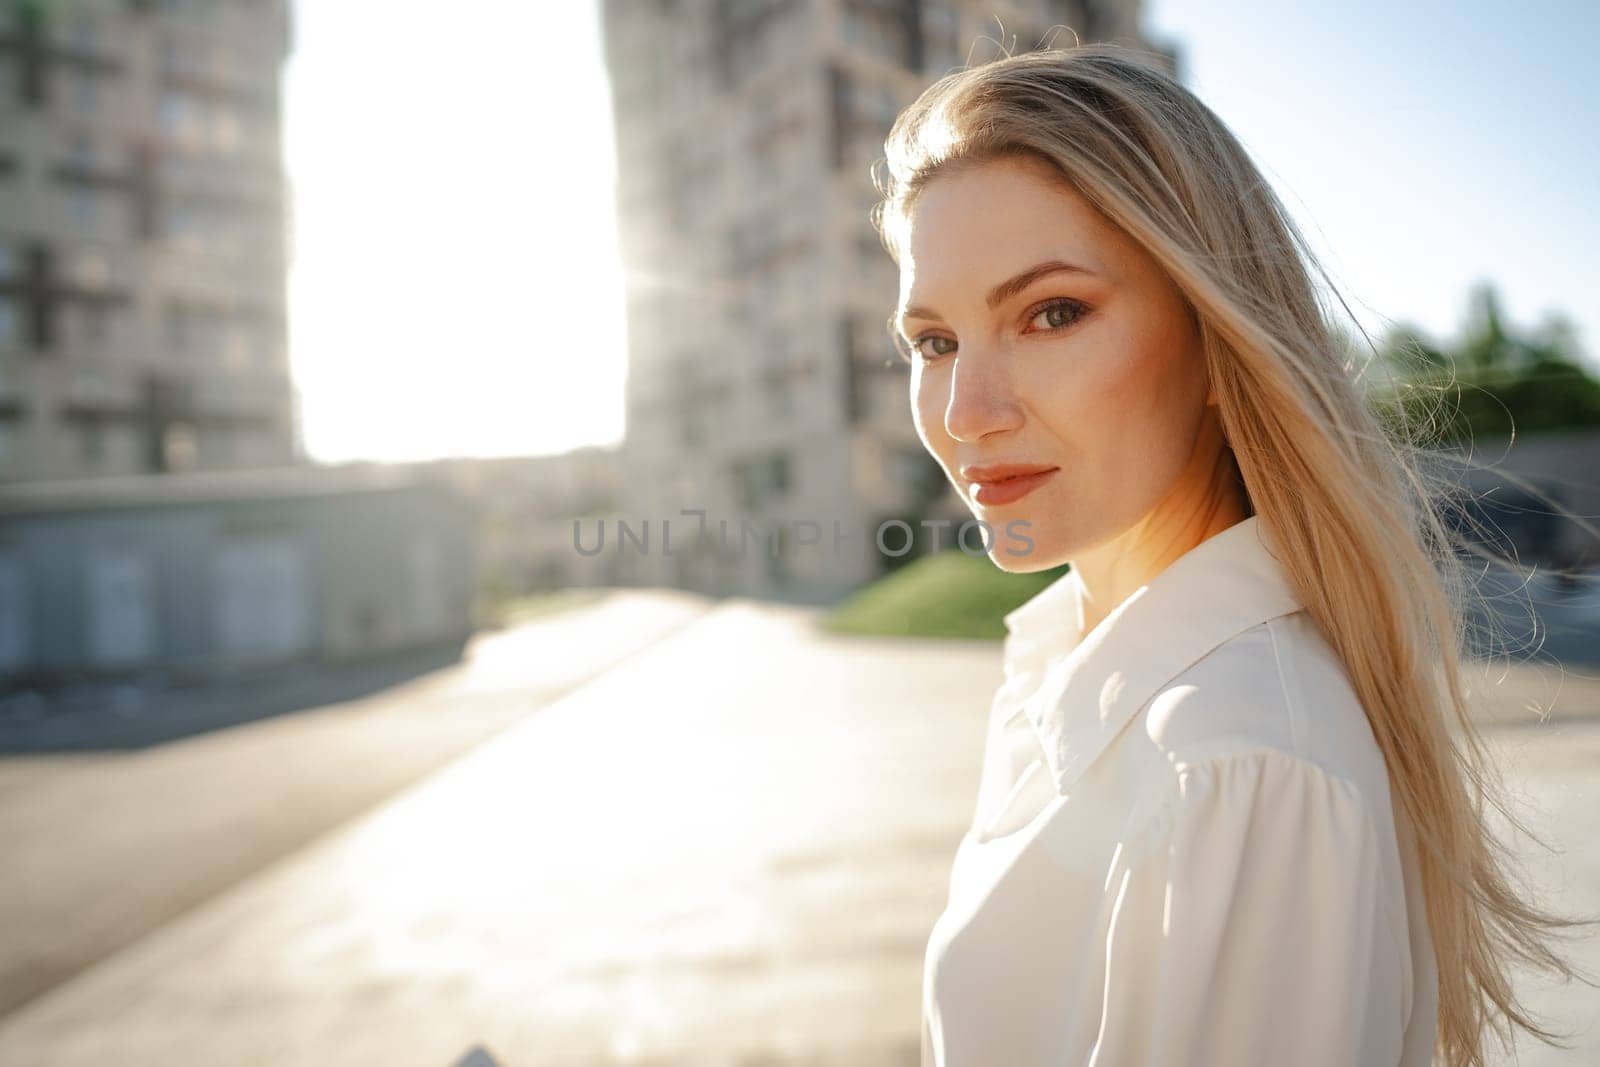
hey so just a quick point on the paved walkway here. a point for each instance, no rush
(102, 847)
(1555, 769)
(727, 850)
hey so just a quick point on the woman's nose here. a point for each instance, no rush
(981, 399)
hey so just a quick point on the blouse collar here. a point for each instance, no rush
(1083, 688)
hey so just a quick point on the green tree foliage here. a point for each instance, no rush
(1494, 379)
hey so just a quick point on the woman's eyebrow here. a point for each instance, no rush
(1004, 291)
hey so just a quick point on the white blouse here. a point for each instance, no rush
(1183, 851)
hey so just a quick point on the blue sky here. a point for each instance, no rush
(1422, 146)
(455, 288)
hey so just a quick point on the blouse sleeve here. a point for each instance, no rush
(1249, 926)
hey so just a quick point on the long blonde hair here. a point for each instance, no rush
(1354, 501)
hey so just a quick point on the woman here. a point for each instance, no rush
(1224, 818)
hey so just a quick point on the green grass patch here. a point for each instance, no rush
(947, 594)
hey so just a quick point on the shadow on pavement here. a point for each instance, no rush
(138, 713)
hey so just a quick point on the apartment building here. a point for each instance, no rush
(537, 517)
(142, 247)
(765, 400)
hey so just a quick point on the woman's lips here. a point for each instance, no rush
(1010, 490)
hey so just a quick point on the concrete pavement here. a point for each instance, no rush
(728, 849)
(1553, 771)
(102, 847)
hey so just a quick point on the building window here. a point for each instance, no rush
(97, 324)
(89, 267)
(85, 205)
(180, 447)
(265, 345)
(1097, 21)
(878, 108)
(760, 480)
(226, 127)
(860, 116)
(887, 30)
(90, 326)
(82, 154)
(780, 398)
(752, 245)
(774, 140)
(775, 555)
(192, 328)
(839, 109)
(189, 222)
(742, 32)
(234, 344)
(89, 382)
(183, 54)
(92, 441)
(175, 112)
(689, 183)
(692, 429)
(83, 199)
(941, 27)
(84, 37)
(86, 92)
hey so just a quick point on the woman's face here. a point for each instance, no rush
(1095, 371)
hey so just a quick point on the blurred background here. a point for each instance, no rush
(369, 371)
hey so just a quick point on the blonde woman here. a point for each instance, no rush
(1230, 809)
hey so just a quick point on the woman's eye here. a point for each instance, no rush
(1059, 314)
(1056, 315)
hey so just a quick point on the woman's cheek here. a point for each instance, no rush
(1079, 386)
(928, 403)
(1127, 380)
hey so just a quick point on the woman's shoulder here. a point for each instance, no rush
(1276, 687)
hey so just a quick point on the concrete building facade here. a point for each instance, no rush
(527, 508)
(142, 238)
(204, 573)
(766, 404)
